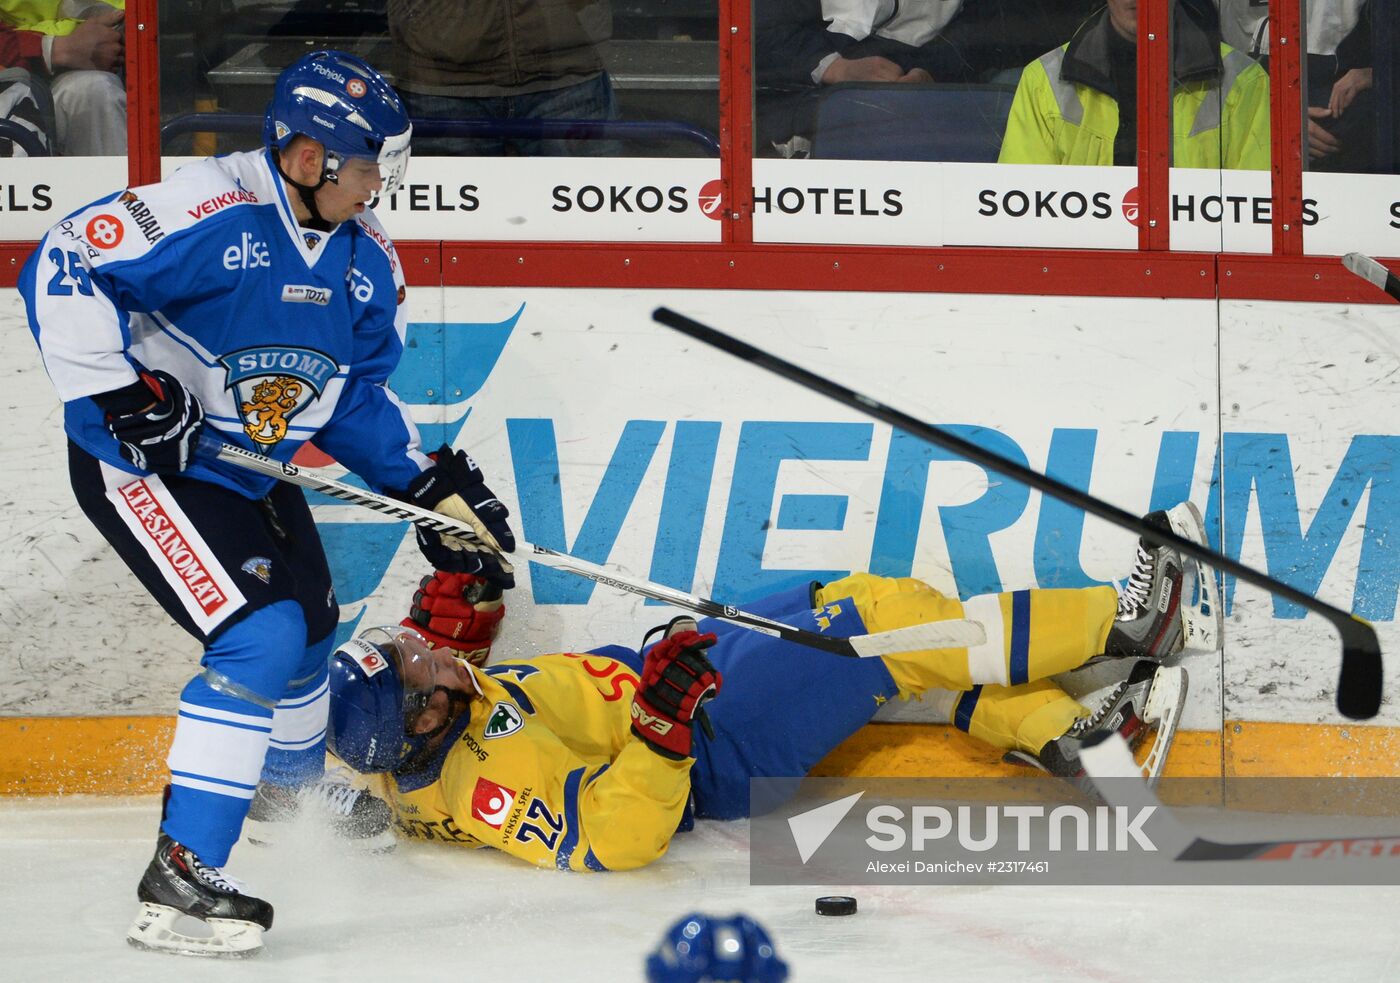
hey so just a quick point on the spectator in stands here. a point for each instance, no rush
(801, 46)
(79, 47)
(504, 60)
(24, 97)
(1341, 101)
(1077, 104)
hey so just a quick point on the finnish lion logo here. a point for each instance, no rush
(265, 415)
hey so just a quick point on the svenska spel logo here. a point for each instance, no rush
(491, 802)
(711, 199)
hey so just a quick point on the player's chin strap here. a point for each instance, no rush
(458, 706)
(307, 194)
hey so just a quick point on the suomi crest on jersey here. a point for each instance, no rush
(273, 383)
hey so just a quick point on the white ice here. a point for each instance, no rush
(430, 912)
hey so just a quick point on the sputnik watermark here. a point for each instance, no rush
(1063, 827)
(960, 831)
(1101, 829)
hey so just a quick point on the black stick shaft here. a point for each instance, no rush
(1318, 848)
(1359, 685)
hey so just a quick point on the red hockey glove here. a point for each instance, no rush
(458, 611)
(677, 680)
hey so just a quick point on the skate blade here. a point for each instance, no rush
(1163, 707)
(272, 834)
(1016, 757)
(1202, 614)
(157, 928)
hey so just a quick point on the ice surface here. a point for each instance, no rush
(429, 912)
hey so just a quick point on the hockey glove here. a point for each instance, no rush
(454, 487)
(677, 680)
(156, 420)
(458, 611)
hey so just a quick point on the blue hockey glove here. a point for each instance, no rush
(156, 420)
(454, 487)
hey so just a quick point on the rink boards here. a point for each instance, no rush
(614, 439)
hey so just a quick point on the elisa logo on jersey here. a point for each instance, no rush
(273, 384)
(491, 802)
(356, 88)
(504, 721)
(105, 231)
(361, 286)
(711, 199)
(248, 254)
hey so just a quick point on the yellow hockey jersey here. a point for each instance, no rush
(548, 770)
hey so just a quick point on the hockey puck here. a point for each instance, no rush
(836, 905)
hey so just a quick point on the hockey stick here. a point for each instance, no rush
(1118, 780)
(1359, 684)
(1368, 269)
(933, 635)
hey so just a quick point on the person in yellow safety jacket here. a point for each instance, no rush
(1077, 104)
(589, 761)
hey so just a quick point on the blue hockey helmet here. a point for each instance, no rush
(338, 100)
(702, 947)
(379, 683)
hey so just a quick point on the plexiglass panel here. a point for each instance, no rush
(1001, 116)
(1221, 182)
(500, 91)
(62, 108)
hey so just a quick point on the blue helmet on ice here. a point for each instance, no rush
(704, 948)
(379, 683)
(338, 100)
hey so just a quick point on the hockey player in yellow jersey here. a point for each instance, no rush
(593, 761)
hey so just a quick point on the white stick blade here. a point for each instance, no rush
(1110, 758)
(1366, 268)
(959, 634)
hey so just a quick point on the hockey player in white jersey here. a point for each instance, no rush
(253, 297)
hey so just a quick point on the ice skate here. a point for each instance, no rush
(1149, 700)
(189, 908)
(1169, 603)
(352, 814)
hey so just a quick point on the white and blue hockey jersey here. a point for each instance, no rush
(283, 333)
